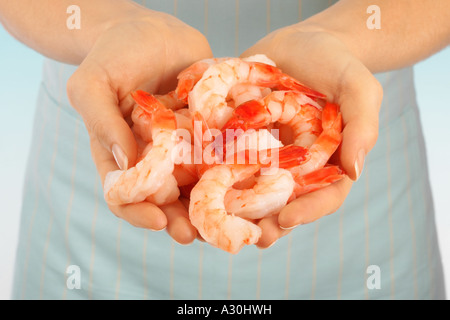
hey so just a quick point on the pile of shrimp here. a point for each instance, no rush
(282, 137)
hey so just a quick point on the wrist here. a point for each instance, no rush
(103, 21)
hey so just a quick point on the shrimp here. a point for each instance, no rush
(326, 143)
(146, 179)
(171, 100)
(209, 95)
(209, 201)
(191, 75)
(269, 194)
(291, 108)
(316, 128)
(252, 146)
(315, 173)
(142, 123)
(207, 210)
(244, 92)
(316, 180)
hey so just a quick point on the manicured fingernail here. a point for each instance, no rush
(157, 230)
(359, 162)
(290, 228)
(120, 157)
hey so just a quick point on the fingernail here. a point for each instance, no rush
(290, 228)
(120, 157)
(359, 162)
(157, 230)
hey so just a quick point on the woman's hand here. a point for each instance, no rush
(321, 61)
(143, 51)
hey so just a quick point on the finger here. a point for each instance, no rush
(185, 202)
(271, 232)
(179, 226)
(312, 206)
(98, 105)
(142, 215)
(360, 102)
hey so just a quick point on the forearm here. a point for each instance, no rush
(410, 30)
(42, 25)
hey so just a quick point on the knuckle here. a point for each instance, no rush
(95, 127)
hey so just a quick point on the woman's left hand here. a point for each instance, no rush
(321, 61)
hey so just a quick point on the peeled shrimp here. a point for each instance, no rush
(209, 95)
(326, 143)
(191, 75)
(208, 212)
(291, 108)
(244, 92)
(316, 128)
(154, 171)
(269, 194)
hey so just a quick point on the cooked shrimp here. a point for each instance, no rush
(244, 92)
(142, 123)
(150, 174)
(315, 128)
(269, 194)
(191, 75)
(252, 146)
(326, 143)
(171, 100)
(291, 108)
(209, 95)
(316, 180)
(318, 129)
(167, 193)
(207, 209)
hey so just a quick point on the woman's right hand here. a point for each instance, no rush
(144, 50)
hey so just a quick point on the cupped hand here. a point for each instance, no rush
(145, 50)
(320, 60)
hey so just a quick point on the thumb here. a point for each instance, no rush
(360, 106)
(98, 106)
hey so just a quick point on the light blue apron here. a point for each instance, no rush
(381, 244)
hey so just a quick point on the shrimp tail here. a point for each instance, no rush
(331, 136)
(291, 155)
(286, 82)
(317, 179)
(146, 100)
(162, 117)
(292, 84)
(249, 115)
(332, 117)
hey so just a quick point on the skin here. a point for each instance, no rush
(333, 52)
